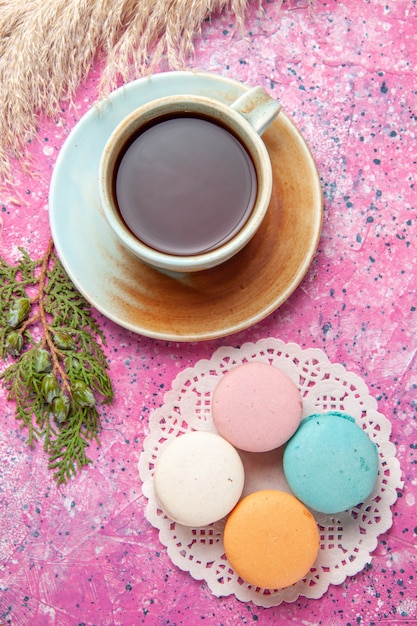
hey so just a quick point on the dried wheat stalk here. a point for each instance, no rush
(47, 48)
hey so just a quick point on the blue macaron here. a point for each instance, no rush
(330, 463)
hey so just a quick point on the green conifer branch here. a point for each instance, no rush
(58, 374)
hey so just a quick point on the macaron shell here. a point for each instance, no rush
(271, 539)
(198, 478)
(256, 407)
(330, 463)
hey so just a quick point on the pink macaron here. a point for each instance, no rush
(256, 407)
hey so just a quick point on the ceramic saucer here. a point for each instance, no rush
(183, 307)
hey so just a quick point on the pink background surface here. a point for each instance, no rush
(345, 72)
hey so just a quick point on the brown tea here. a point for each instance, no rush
(185, 185)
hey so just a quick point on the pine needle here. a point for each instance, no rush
(58, 374)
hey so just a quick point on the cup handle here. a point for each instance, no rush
(258, 108)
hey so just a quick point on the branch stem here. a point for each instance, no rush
(47, 339)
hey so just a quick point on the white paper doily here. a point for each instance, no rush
(347, 539)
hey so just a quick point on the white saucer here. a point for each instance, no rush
(200, 306)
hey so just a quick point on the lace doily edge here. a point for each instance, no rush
(243, 592)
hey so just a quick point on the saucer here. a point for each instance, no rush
(183, 307)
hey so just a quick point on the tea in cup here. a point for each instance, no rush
(185, 181)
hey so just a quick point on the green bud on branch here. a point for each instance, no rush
(60, 408)
(71, 363)
(82, 395)
(49, 387)
(63, 341)
(42, 361)
(18, 312)
(13, 343)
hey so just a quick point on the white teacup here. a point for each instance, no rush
(185, 181)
